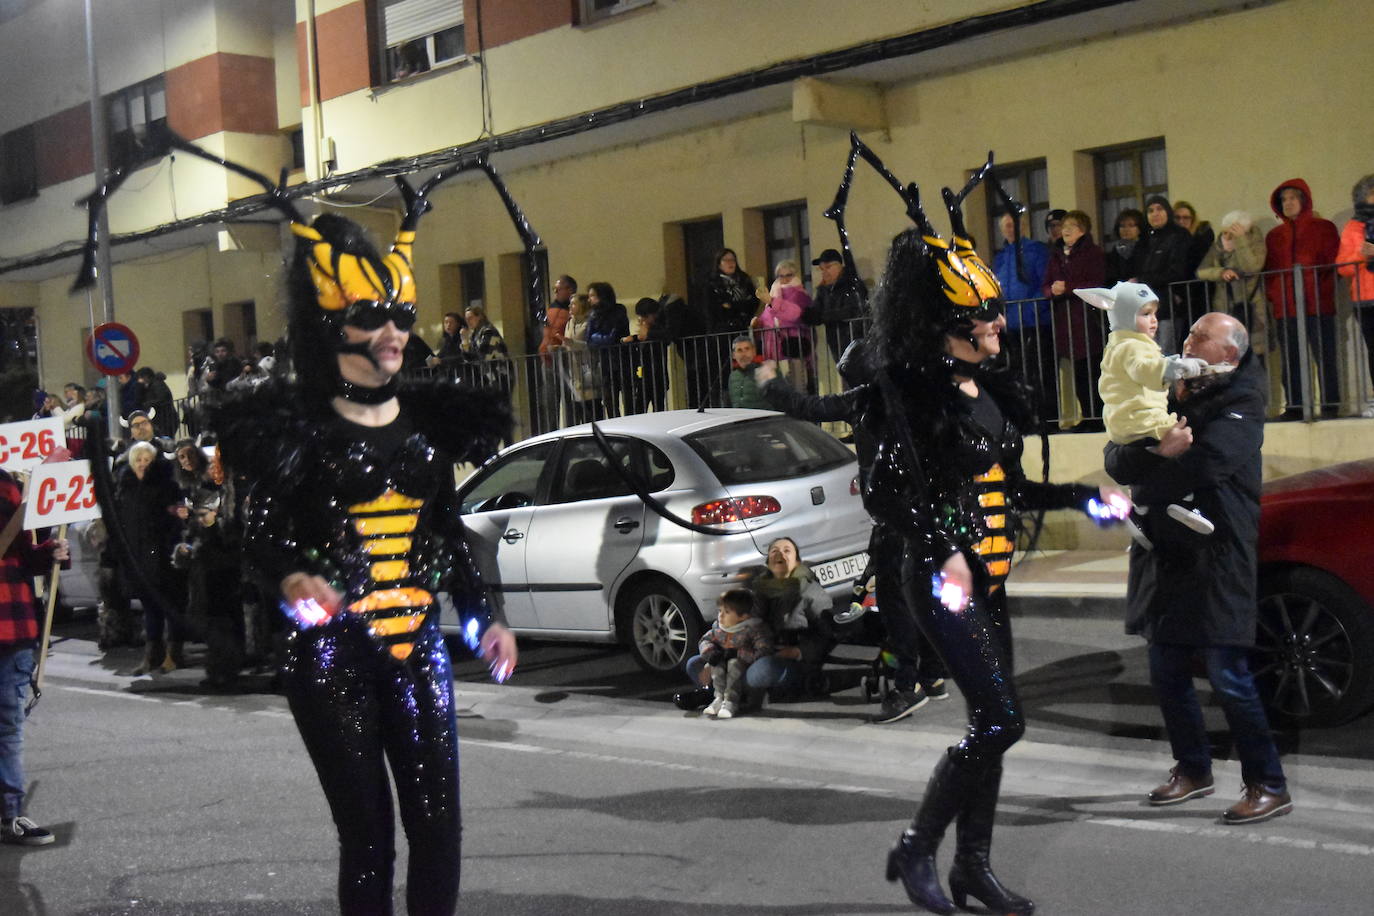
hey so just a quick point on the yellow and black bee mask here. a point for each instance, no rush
(960, 288)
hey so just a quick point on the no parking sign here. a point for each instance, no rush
(112, 348)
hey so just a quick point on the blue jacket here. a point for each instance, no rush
(1035, 256)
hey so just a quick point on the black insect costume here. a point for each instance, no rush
(947, 476)
(374, 512)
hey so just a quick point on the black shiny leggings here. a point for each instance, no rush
(358, 710)
(976, 646)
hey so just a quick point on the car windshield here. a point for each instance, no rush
(767, 448)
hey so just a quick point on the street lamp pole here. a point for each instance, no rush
(103, 272)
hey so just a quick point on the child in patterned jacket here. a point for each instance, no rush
(736, 639)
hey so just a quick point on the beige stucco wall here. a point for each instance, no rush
(1236, 114)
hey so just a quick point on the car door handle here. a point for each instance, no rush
(625, 524)
(511, 535)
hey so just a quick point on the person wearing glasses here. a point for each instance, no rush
(351, 519)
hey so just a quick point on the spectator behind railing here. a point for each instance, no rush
(841, 299)
(1304, 240)
(1232, 265)
(1126, 254)
(1356, 258)
(782, 326)
(450, 352)
(1029, 338)
(1077, 327)
(648, 353)
(580, 371)
(1164, 263)
(607, 328)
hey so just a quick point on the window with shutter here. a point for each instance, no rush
(419, 35)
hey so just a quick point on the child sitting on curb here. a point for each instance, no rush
(736, 639)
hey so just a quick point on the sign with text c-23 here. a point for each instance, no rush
(60, 494)
(28, 443)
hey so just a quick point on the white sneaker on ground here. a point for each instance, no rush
(1190, 518)
(727, 711)
(714, 709)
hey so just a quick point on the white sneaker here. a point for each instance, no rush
(1190, 518)
(727, 711)
(714, 709)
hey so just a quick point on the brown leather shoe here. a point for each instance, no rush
(1180, 788)
(1257, 804)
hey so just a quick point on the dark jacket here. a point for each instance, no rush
(1077, 325)
(732, 302)
(1307, 240)
(1124, 260)
(156, 396)
(856, 370)
(145, 509)
(1164, 261)
(1197, 590)
(843, 300)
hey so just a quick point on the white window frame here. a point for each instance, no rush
(422, 22)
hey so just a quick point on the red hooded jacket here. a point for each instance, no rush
(1307, 241)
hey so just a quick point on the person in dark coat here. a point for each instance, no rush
(607, 327)
(841, 299)
(919, 675)
(210, 556)
(732, 302)
(685, 326)
(1078, 264)
(1164, 261)
(1125, 255)
(156, 398)
(1191, 594)
(146, 500)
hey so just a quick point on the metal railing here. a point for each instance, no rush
(1318, 367)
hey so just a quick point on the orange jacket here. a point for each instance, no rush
(1361, 277)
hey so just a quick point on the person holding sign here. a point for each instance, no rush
(20, 561)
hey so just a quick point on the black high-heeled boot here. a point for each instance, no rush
(913, 858)
(971, 875)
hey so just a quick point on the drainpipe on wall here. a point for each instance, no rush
(312, 66)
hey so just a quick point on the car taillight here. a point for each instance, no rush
(720, 511)
(854, 486)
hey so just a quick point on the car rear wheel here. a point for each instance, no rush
(661, 624)
(1314, 651)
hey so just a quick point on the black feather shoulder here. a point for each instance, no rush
(468, 423)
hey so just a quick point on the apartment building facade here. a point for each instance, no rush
(638, 135)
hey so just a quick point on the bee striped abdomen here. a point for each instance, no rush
(394, 611)
(995, 549)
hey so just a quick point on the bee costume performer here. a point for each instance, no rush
(948, 418)
(351, 518)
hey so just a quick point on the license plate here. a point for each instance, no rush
(850, 567)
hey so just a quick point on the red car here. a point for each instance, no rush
(1314, 656)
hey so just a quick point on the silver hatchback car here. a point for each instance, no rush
(573, 554)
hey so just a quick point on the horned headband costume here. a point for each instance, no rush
(337, 278)
(968, 289)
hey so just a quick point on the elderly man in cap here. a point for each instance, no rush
(841, 299)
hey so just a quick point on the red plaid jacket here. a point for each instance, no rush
(21, 562)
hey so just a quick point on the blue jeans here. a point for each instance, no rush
(1228, 669)
(769, 671)
(16, 669)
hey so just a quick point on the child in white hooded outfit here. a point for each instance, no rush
(1136, 375)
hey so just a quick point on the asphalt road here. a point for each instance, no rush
(586, 791)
